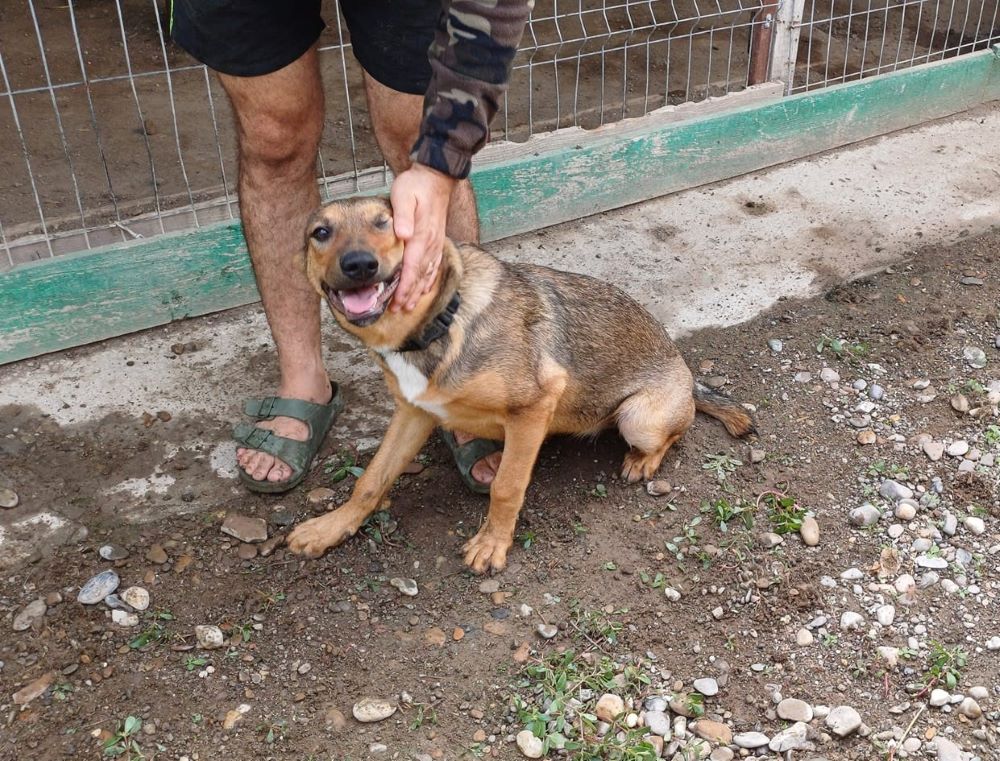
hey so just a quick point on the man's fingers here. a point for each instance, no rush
(413, 254)
(404, 208)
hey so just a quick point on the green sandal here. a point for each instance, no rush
(468, 454)
(298, 455)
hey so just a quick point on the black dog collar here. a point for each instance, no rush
(436, 328)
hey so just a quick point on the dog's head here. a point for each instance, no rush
(354, 259)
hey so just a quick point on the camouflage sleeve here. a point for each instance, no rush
(471, 59)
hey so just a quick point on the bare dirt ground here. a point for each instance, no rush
(306, 639)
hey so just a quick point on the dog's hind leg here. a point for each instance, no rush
(408, 430)
(651, 420)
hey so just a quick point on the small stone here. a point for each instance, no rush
(112, 552)
(866, 437)
(895, 491)
(769, 540)
(233, 717)
(320, 495)
(809, 531)
(979, 692)
(959, 403)
(757, 456)
(124, 618)
(435, 637)
(406, 587)
(843, 721)
(34, 689)
(947, 750)
(8, 498)
(905, 584)
(707, 686)
(993, 644)
(267, 548)
(157, 555)
(933, 449)
(775, 345)
(803, 637)
(751, 740)
(932, 561)
(547, 631)
(335, 720)
(489, 586)
(369, 710)
(802, 377)
(718, 612)
(958, 448)
(245, 528)
(209, 637)
(970, 709)
(658, 488)
(31, 613)
(722, 754)
(713, 731)
(865, 515)
(789, 739)
(939, 698)
(971, 280)
(98, 587)
(885, 615)
(522, 653)
(850, 621)
(458, 634)
(136, 597)
(829, 375)
(889, 654)
(529, 745)
(876, 392)
(895, 531)
(793, 709)
(974, 356)
(246, 551)
(609, 707)
(658, 723)
(671, 594)
(304, 668)
(975, 525)
(906, 510)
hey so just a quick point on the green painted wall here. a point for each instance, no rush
(80, 298)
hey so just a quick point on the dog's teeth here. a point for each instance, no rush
(381, 287)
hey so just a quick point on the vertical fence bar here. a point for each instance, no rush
(760, 43)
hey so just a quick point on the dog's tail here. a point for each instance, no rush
(733, 415)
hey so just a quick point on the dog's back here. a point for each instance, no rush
(609, 344)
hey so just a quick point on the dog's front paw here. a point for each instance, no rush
(317, 535)
(486, 550)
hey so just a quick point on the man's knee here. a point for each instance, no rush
(281, 142)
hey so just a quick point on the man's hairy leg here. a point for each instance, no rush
(279, 119)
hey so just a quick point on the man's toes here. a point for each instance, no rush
(260, 465)
(482, 472)
(280, 472)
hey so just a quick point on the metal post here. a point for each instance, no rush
(788, 25)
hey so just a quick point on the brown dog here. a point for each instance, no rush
(502, 351)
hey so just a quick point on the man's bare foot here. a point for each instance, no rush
(262, 466)
(485, 470)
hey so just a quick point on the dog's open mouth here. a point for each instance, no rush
(363, 306)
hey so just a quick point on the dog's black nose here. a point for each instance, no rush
(359, 265)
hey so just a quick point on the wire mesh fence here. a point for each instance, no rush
(111, 132)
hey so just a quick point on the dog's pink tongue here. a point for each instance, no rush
(360, 301)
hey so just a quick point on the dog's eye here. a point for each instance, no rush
(321, 233)
(382, 223)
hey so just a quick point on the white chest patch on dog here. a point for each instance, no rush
(412, 382)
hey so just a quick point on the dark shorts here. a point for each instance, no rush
(247, 38)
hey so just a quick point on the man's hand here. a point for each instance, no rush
(420, 198)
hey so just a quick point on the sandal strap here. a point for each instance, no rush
(471, 452)
(296, 454)
(276, 406)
